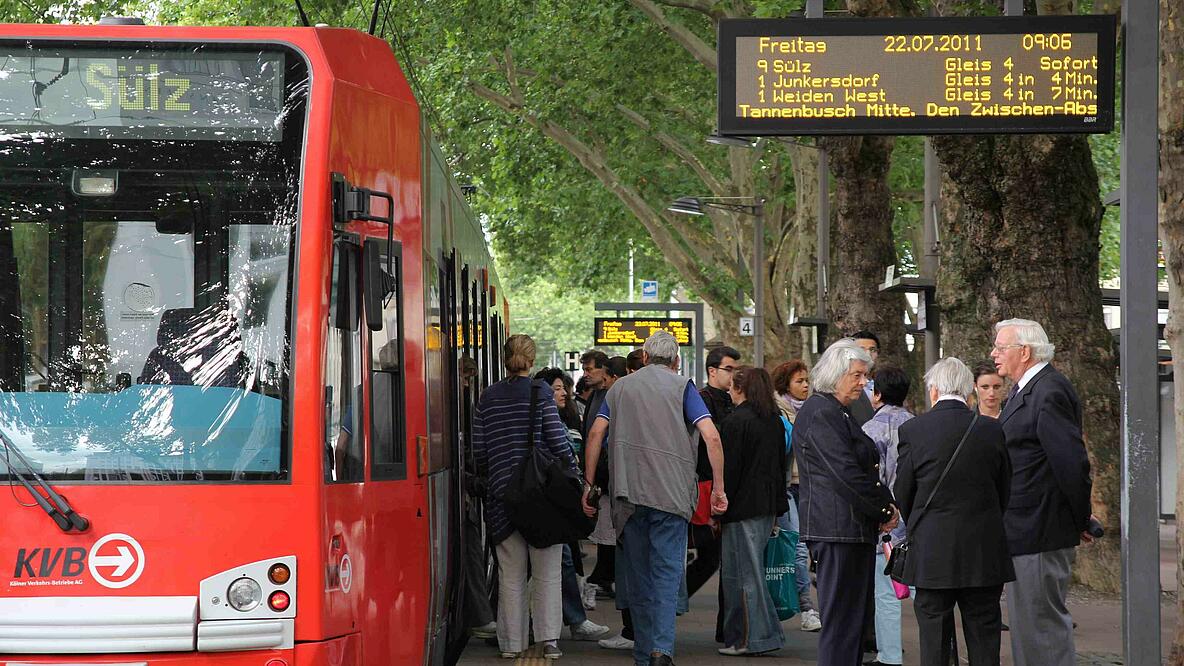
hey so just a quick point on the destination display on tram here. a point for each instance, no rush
(115, 93)
(633, 332)
(916, 76)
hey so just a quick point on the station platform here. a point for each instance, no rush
(1098, 635)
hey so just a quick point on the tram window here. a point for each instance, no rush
(388, 446)
(438, 346)
(343, 370)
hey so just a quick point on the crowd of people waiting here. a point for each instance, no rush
(977, 494)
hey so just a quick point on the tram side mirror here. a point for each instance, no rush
(344, 300)
(376, 284)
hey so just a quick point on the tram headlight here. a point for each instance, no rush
(244, 594)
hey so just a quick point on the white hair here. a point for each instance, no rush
(834, 363)
(950, 376)
(662, 348)
(1030, 334)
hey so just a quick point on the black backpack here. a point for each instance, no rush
(544, 497)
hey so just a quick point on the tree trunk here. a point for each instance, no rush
(1023, 241)
(862, 245)
(1171, 220)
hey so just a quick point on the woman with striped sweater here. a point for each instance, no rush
(501, 424)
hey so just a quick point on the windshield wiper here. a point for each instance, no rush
(55, 505)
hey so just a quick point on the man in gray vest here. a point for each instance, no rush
(657, 418)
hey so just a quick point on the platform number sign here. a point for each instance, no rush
(747, 326)
(571, 360)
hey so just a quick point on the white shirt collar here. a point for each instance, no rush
(1031, 373)
(951, 396)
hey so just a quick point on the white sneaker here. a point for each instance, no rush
(811, 621)
(485, 631)
(733, 651)
(588, 595)
(617, 642)
(588, 631)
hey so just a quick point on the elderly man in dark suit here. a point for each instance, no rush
(958, 548)
(1049, 509)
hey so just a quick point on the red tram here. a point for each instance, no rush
(238, 288)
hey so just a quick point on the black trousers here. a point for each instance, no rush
(707, 558)
(605, 571)
(845, 588)
(982, 620)
(477, 608)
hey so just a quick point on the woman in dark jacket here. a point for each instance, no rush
(844, 507)
(754, 466)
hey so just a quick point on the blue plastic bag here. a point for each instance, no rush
(781, 572)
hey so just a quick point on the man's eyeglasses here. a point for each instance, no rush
(724, 368)
(1003, 348)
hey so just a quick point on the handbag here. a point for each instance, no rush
(901, 590)
(900, 553)
(781, 573)
(544, 497)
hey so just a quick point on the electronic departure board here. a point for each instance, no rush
(916, 76)
(143, 93)
(633, 332)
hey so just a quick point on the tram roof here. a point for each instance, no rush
(344, 55)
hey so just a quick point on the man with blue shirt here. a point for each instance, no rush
(657, 418)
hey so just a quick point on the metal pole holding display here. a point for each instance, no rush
(815, 10)
(930, 259)
(1138, 343)
(758, 286)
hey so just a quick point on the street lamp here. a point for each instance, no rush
(695, 206)
(734, 141)
(823, 222)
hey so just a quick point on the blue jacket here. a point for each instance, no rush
(842, 497)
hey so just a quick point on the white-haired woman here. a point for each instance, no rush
(958, 553)
(844, 506)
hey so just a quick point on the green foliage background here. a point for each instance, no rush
(560, 237)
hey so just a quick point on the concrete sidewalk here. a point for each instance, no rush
(1098, 636)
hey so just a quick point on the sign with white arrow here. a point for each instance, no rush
(112, 558)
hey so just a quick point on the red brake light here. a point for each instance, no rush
(279, 601)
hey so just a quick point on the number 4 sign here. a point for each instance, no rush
(747, 326)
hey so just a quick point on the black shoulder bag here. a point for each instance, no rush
(544, 497)
(900, 552)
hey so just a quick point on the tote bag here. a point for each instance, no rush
(544, 497)
(781, 572)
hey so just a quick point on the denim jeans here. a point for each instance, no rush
(573, 605)
(789, 521)
(888, 642)
(749, 616)
(655, 547)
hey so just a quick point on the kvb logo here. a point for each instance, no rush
(116, 561)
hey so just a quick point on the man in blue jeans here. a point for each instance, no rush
(657, 418)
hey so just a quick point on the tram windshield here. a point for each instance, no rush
(148, 207)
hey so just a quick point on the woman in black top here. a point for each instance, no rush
(754, 467)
